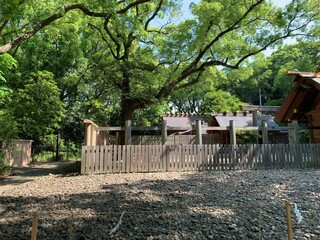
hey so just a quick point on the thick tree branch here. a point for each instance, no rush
(114, 40)
(153, 15)
(104, 39)
(7, 47)
(234, 26)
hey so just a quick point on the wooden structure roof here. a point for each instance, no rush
(241, 120)
(303, 98)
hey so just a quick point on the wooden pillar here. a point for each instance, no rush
(296, 139)
(233, 140)
(199, 132)
(128, 132)
(265, 139)
(255, 118)
(164, 132)
(91, 133)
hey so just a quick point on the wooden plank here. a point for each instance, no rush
(132, 158)
(192, 164)
(147, 158)
(176, 157)
(241, 156)
(105, 158)
(167, 157)
(260, 108)
(317, 155)
(288, 156)
(110, 158)
(83, 159)
(114, 158)
(210, 157)
(151, 158)
(263, 156)
(101, 159)
(180, 158)
(91, 159)
(123, 159)
(97, 160)
(119, 158)
(142, 158)
(162, 158)
(156, 159)
(277, 155)
(128, 159)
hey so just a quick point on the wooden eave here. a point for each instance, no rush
(303, 98)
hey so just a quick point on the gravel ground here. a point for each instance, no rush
(187, 205)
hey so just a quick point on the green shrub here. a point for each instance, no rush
(5, 167)
(245, 137)
(45, 156)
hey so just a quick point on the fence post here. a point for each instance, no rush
(290, 133)
(233, 140)
(199, 133)
(265, 139)
(255, 118)
(128, 132)
(295, 132)
(164, 132)
(34, 228)
(91, 134)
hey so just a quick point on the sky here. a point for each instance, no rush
(186, 4)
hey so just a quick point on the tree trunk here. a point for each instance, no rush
(126, 112)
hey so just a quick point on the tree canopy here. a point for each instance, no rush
(113, 60)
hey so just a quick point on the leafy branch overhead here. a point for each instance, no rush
(146, 54)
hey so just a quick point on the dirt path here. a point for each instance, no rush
(25, 174)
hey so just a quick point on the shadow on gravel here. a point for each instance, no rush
(195, 207)
(25, 174)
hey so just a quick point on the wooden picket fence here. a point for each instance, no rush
(163, 158)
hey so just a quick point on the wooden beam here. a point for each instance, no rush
(260, 108)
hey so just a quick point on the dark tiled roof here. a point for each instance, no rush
(182, 120)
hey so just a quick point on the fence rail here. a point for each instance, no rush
(160, 158)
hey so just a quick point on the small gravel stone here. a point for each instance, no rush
(185, 205)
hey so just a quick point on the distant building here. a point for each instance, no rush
(183, 120)
(245, 120)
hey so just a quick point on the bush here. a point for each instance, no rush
(5, 167)
(45, 156)
(246, 137)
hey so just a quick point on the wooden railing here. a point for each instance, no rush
(161, 158)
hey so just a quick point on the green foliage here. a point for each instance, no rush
(8, 127)
(37, 106)
(7, 62)
(109, 69)
(45, 156)
(220, 101)
(246, 137)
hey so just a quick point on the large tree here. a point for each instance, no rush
(147, 58)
